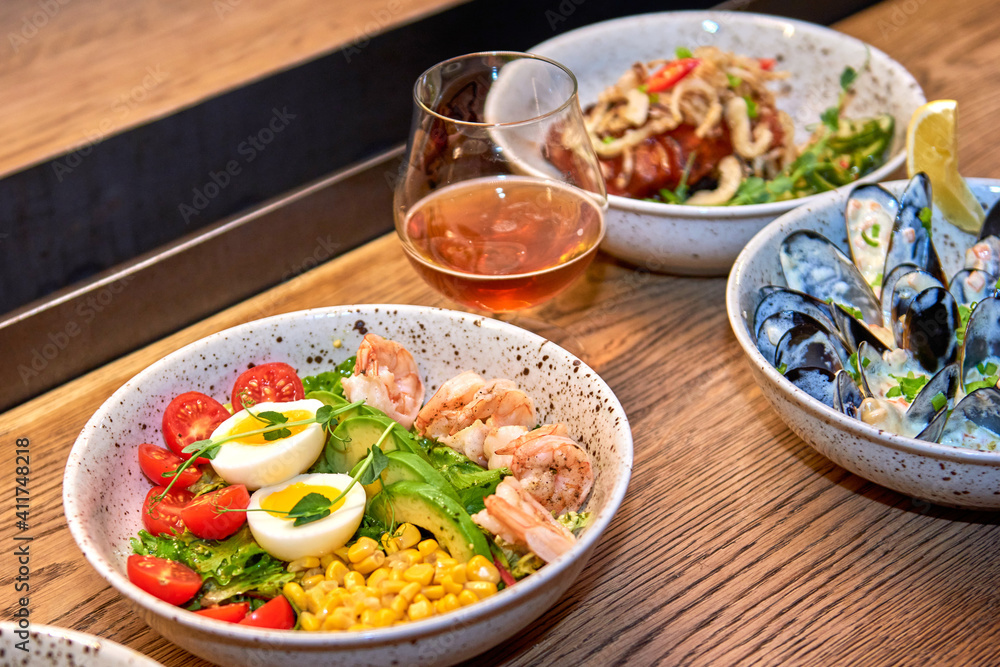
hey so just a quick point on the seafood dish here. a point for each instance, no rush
(704, 129)
(343, 502)
(883, 334)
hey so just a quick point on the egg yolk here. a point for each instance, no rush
(251, 424)
(280, 502)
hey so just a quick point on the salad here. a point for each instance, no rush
(703, 129)
(342, 501)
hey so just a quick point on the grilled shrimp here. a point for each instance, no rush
(442, 411)
(551, 467)
(386, 376)
(518, 519)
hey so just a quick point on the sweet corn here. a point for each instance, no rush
(433, 592)
(458, 574)
(393, 585)
(480, 569)
(427, 547)
(421, 573)
(419, 610)
(309, 622)
(467, 597)
(310, 581)
(482, 589)
(352, 579)
(325, 561)
(451, 586)
(407, 535)
(362, 549)
(448, 603)
(371, 563)
(305, 563)
(376, 578)
(410, 591)
(336, 571)
(399, 604)
(295, 593)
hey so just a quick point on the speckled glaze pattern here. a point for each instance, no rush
(701, 240)
(58, 647)
(102, 519)
(941, 474)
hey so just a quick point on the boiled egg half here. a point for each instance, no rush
(278, 535)
(255, 462)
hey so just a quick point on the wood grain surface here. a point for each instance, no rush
(737, 544)
(74, 71)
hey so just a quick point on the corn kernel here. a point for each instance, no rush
(408, 556)
(442, 566)
(421, 573)
(311, 572)
(295, 593)
(308, 622)
(458, 574)
(314, 600)
(376, 578)
(479, 568)
(303, 563)
(482, 589)
(427, 547)
(467, 597)
(311, 581)
(394, 586)
(410, 591)
(384, 618)
(370, 564)
(359, 627)
(399, 605)
(341, 553)
(389, 544)
(336, 571)
(368, 617)
(397, 570)
(448, 603)
(451, 586)
(331, 603)
(352, 579)
(433, 592)
(419, 610)
(362, 549)
(408, 535)
(325, 560)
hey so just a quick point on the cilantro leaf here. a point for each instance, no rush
(848, 77)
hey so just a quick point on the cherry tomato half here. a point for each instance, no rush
(275, 382)
(168, 580)
(230, 613)
(191, 417)
(201, 516)
(155, 461)
(164, 516)
(276, 614)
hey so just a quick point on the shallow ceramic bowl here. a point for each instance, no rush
(102, 517)
(49, 646)
(704, 240)
(937, 473)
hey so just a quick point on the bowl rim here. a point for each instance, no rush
(121, 654)
(285, 639)
(857, 428)
(723, 214)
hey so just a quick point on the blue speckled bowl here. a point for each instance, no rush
(102, 518)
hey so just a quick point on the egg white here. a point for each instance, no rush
(256, 466)
(280, 538)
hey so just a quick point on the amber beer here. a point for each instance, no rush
(503, 243)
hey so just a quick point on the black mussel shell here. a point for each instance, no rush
(906, 287)
(929, 328)
(814, 265)
(932, 399)
(975, 421)
(869, 216)
(817, 382)
(970, 286)
(911, 237)
(855, 331)
(809, 345)
(782, 299)
(848, 397)
(888, 285)
(982, 339)
(991, 225)
(773, 328)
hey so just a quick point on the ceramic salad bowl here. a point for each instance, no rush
(103, 518)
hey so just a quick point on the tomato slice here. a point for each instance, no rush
(164, 517)
(767, 64)
(155, 461)
(276, 614)
(275, 382)
(168, 580)
(191, 417)
(230, 613)
(202, 518)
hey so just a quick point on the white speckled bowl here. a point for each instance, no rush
(49, 646)
(704, 240)
(102, 517)
(938, 473)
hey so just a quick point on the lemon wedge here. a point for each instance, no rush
(932, 147)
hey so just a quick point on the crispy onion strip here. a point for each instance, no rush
(730, 176)
(739, 130)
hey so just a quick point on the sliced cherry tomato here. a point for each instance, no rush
(275, 382)
(767, 64)
(665, 77)
(275, 613)
(155, 461)
(191, 417)
(164, 516)
(230, 613)
(201, 516)
(168, 580)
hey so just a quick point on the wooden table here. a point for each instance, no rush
(737, 543)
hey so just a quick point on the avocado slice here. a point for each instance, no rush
(430, 508)
(404, 465)
(354, 436)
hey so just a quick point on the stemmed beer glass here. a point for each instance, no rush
(484, 214)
